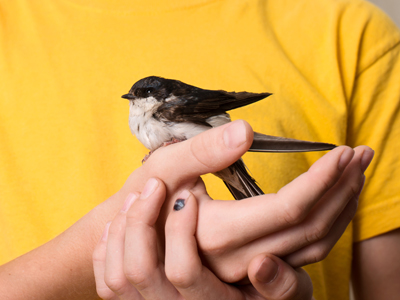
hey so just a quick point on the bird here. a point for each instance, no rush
(164, 111)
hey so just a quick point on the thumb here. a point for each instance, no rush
(275, 279)
(210, 151)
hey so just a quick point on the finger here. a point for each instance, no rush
(142, 266)
(340, 200)
(323, 216)
(319, 250)
(300, 196)
(321, 229)
(275, 279)
(115, 277)
(246, 219)
(99, 263)
(331, 216)
(183, 266)
(207, 152)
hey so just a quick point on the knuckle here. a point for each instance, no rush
(317, 232)
(317, 254)
(292, 214)
(181, 278)
(105, 293)
(211, 246)
(116, 284)
(232, 272)
(140, 279)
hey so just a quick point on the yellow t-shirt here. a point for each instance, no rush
(65, 146)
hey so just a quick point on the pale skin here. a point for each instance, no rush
(116, 280)
(130, 243)
(69, 255)
(376, 267)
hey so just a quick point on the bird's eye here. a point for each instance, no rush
(149, 90)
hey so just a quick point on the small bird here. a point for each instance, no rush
(164, 111)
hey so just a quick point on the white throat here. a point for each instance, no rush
(152, 133)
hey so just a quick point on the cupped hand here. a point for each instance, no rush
(127, 263)
(301, 222)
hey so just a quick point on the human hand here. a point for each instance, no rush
(127, 264)
(301, 222)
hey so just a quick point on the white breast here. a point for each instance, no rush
(153, 133)
(150, 132)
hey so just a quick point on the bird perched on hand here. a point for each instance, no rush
(164, 111)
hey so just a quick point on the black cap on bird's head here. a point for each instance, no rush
(149, 82)
(151, 86)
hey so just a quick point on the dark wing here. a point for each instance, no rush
(217, 102)
(196, 105)
(269, 143)
(247, 182)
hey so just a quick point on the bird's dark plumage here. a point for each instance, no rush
(190, 103)
(164, 109)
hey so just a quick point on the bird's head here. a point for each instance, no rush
(147, 94)
(152, 86)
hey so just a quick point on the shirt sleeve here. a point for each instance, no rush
(374, 120)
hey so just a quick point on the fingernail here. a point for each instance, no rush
(366, 159)
(104, 236)
(149, 188)
(345, 158)
(235, 134)
(268, 271)
(180, 202)
(128, 202)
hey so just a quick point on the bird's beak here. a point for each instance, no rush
(128, 96)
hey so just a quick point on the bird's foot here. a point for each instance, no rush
(147, 156)
(172, 141)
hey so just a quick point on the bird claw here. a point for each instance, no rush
(147, 157)
(172, 141)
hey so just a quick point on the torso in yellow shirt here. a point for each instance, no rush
(65, 140)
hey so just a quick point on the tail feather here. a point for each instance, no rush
(269, 143)
(247, 183)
